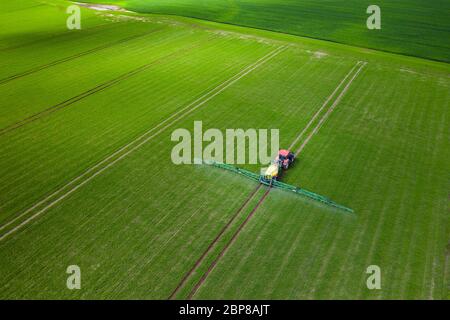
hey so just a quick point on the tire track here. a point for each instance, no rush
(330, 110)
(322, 107)
(75, 56)
(315, 130)
(109, 161)
(94, 90)
(55, 36)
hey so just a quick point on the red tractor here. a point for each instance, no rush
(285, 157)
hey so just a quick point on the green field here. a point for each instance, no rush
(414, 27)
(86, 176)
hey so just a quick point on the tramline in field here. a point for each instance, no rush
(272, 175)
(85, 115)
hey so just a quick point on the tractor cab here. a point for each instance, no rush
(274, 171)
(285, 157)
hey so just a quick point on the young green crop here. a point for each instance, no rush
(139, 225)
(418, 28)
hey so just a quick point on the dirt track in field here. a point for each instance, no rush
(329, 111)
(213, 243)
(94, 90)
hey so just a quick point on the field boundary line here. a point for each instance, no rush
(229, 243)
(75, 56)
(213, 243)
(191, 107)
(322, 107)
(94, 90)
(330, 110)
(251, 214)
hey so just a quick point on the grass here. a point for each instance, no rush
(406, 27)
(303, 252)
(138, 226)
